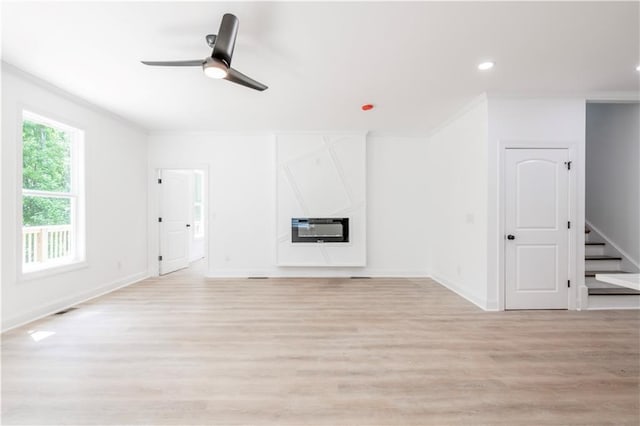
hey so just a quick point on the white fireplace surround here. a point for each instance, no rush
(320, 175)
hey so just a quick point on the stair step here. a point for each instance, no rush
(594, 249)
(598, 257)
(600, 284)
(593, 273)
(600, 288)
(620, 291)
(600, 262)
(594, 244)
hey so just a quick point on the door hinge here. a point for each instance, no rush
(568, 164)
(569, 283)
(159, 180)
(159, 257)
(159, 219)
(568, 224)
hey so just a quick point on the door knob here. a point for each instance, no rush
(511, 237)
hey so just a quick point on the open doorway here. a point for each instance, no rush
(612, 234)
(181, 219)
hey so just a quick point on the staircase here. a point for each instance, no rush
(603, 295)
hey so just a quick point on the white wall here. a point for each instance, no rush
(457, 165)
(465, 166)
(398, 206)
(241, 195)
(534, 122)
(116, 206)
(239, 186)
(613, 174)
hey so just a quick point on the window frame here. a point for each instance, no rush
(76, 195)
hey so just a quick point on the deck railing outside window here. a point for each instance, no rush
(45, 243)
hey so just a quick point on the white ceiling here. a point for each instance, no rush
(415, 61)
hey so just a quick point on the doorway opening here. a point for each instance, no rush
(182, 225)
(612, 200)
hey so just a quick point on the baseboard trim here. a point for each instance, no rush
(330, 273)
(459, 291)
(393, 273)
(233, 274)
(68, 302)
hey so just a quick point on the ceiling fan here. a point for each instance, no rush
(218, 65)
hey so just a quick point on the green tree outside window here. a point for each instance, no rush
(46, 166)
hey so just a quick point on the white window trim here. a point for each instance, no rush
(76, 196)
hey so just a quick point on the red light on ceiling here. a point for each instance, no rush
(367, 107)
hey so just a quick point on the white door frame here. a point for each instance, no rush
(576, 213)
(154, 211)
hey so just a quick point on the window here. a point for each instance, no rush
(198, 206)
(52, 196)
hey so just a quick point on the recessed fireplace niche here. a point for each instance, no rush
(320, 230)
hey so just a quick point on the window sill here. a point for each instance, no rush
(47, 271)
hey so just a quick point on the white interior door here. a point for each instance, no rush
(536, 229)
(175, 212)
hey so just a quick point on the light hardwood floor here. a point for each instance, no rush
(187, 350)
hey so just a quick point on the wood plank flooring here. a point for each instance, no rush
(187, 350)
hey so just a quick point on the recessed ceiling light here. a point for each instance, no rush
(486, 66)
(638, 68)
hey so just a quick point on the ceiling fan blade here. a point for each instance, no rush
(237, 77)
(191, 63)
(226, 39)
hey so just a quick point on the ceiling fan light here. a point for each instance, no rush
(214, 72)
(214, 69)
